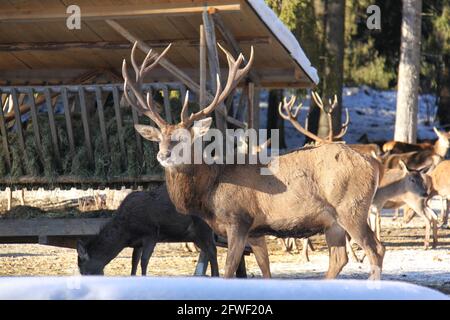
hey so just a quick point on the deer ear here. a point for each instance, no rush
(201, 127)
(403, 167)
(81, 250)
(148, 132)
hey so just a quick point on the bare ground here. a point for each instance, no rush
(405, 259)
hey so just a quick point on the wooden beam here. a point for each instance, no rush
(115, 45)
(90, 13)
(202, 58)
(4, 132)
(18, 121)
(214, 67)
(163, 62)
(232, 42)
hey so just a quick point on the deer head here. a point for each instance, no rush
(191, 126)
(415, 182)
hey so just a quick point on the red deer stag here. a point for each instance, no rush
(327, 188)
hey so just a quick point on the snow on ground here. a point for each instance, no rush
(372, 112)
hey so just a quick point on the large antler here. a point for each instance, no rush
(328, 111)
(235, 74)
(145, 106)
(291, 115)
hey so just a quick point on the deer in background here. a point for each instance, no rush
(367, 149)
(423, 159)
(402, 186)
(313, 189)
(440, 185)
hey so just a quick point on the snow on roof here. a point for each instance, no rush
(285, 36)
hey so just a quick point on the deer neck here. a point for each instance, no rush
(190, 185)
(441, 147)
(387, 192)
(108, 244)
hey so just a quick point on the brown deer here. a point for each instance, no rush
(367, 149)
(399, 187)
(424, 159)
(327, 188)
(440, 185)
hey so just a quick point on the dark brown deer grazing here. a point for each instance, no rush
(327, 188)
(424, 159)
(142, 220)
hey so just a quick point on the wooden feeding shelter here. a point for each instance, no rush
(65, 84)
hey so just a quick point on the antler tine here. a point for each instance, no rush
(317, 100)
(184, 109)
(287, 106)
(344, 127)
(234, 76)
(144, 106)
(292, 117)
(133, 60)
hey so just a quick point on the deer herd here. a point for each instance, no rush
(325, 187)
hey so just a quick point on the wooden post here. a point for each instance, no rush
(18, 120)
(35, 123)
(214, 66)
(256, 100)
(167, 110)
(251, 105)
(9, 197)
(4, 133)
(51, 121)
(85, 121)
(118, 113)
(240, 110)
(202, 49)
(101, 118)
(68, 116)
(22, 197)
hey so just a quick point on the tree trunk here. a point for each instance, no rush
(408, 72)
(274, 121)
(332, 81)
(443, 111)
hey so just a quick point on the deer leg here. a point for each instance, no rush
(310, 244)
(207, 245)
(137, 252)
(431, 216)
(305, 245)
(259, 248)
(351, 250)
(446, 209)
(148, 247)
(237, 235)
(241, 271)
(363, 235)
(335, 237)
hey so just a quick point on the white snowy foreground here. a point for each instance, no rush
(180, 288)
